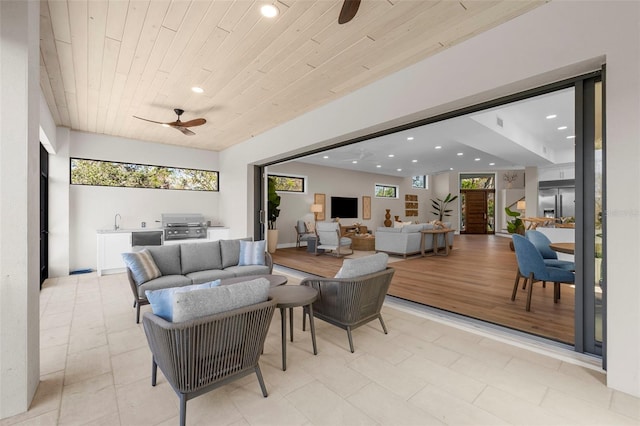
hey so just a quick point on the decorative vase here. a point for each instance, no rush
(397, 218)
(387, 218)
(272, 240)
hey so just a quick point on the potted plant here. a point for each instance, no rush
(516, 225)
(273, 202)
(439, 206)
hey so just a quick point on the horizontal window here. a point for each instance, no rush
(289, 183)
(130, 175)
(386, 191)
(420, 182)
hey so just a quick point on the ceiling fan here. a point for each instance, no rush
(179, 125)
(349, 10)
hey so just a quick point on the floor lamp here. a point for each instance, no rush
(315, 209)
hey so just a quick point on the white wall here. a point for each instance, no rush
(92, 207)
(542, 46)
(19, 206)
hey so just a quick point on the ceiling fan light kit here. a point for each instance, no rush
(181, 126)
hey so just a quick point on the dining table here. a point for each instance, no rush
(567, 248)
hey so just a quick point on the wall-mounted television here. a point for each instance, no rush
(344, 207)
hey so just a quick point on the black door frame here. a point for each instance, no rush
(582, 256)
(44, 214)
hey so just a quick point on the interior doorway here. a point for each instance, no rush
(44, 214)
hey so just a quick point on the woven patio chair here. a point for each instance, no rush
(200, 355)
(349, 303)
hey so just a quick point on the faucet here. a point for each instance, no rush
(116, 225)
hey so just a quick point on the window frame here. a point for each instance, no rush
(71, 182)
(396, 189)
(425, 182)
(304, 180)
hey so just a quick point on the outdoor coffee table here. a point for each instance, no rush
(274, 280)
(291, 296)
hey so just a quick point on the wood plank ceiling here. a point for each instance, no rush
(102, 62)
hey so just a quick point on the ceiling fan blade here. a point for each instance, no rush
(151, 121)
(349, 10)
(193, 123)
(184, 130)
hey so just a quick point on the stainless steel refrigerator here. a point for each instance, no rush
(557, 198)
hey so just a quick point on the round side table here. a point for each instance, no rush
(291, 296)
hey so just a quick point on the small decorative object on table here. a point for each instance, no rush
(387, 218)
(356, 227)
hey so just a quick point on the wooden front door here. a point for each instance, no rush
(475, 209)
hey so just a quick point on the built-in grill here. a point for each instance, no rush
(183, 226)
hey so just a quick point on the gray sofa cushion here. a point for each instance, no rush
(164, 282)
(230, 250)
(200, 256)
(413, 228)
(352, 268)
(161, 300)
(167, 258)
(200, 303)
(198, 277)
(240, 271)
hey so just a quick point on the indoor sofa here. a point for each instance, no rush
(406, 240)
(158, 267)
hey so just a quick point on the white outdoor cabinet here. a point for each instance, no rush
(215, 234)
(110, 248)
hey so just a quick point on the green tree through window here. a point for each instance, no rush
(288, 183)
(129, 175)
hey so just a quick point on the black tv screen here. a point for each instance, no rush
(344, 207)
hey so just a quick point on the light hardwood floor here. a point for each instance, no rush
(475, 280)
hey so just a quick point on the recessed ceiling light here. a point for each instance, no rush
(438, 147)
(197, 89)
(492, 164)
(414, 161)
(269, 11)
(549, 117)
(571, 137)
(378, 166)
(460, 154)
(562, 127)
(325, 157)
(355, 162)
(476, 159)
(450, 168)
(399, 170)
(391, 155)
(410, 138)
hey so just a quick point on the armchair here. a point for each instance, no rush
(349, 303)
(302, 233)
(329, 239)
(200, 355)
(532, 267)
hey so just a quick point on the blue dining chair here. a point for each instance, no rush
(549, 256)
(531, 266)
